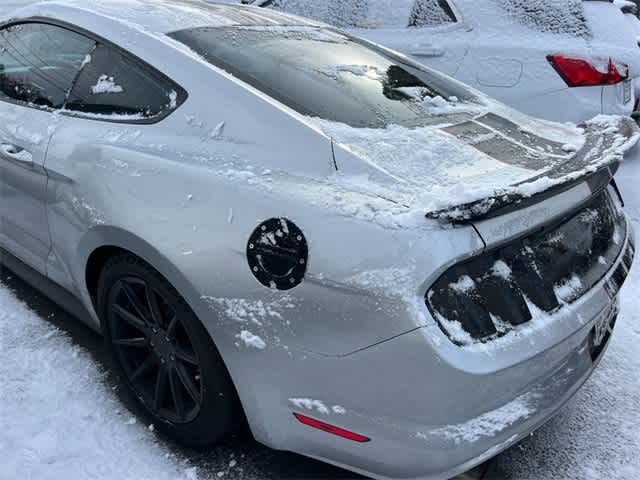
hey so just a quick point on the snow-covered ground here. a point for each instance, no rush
(60, 418)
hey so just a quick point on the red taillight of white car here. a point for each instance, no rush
(577, 72)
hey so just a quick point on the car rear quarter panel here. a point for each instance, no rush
(186, 193)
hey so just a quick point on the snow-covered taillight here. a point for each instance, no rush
(577, 72)
(488, 296)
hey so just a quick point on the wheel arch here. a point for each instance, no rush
(94, 251)
(102, 242)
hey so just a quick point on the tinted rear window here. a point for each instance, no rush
(322, 73)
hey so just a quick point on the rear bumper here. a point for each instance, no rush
(434, 415)
(612, 98)
(407, 446)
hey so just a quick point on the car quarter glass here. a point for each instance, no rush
(110, 84)
(39, 62)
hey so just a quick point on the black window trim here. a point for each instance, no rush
(447, 7)
(182, 94)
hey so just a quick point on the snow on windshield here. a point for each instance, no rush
(335, 12)
(353, 13)
(549, 16)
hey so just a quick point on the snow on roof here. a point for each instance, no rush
(160, 16)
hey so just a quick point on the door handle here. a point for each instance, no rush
(14, 153)
(430, 51)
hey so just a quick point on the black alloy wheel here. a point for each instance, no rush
(164, 356)
(155, 351)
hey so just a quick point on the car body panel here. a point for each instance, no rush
(24, 138)
(186, 193)
(132, 164)
(399, 403)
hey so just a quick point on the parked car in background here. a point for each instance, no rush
(562, 61)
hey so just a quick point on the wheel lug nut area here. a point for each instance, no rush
(160, 344)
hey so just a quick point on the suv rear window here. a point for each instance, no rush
(322, 73)
(370, 13)
(550, 16)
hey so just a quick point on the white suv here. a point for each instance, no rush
(563, 61)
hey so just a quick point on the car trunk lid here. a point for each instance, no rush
(469, 167)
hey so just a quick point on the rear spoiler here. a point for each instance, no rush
(585, 166)
(495, 206)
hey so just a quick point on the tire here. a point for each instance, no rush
(163, 355)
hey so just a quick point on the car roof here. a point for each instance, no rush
(160, 16)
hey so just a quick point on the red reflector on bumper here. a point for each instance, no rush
(325, 427)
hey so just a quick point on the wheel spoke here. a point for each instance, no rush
(185, 355)
(133, 299)
(144, 367)
(188, 384)
(130, 318)
(175, 393)
(161, 387)
(138, 342)
(154, 307)
(171, 328)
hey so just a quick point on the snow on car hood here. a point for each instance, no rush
(466, 163)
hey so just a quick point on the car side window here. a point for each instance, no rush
(431, 13)
(111, 84)
(39, 62)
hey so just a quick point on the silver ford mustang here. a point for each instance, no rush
(276, 223)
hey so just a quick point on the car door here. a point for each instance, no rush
(38, 63)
